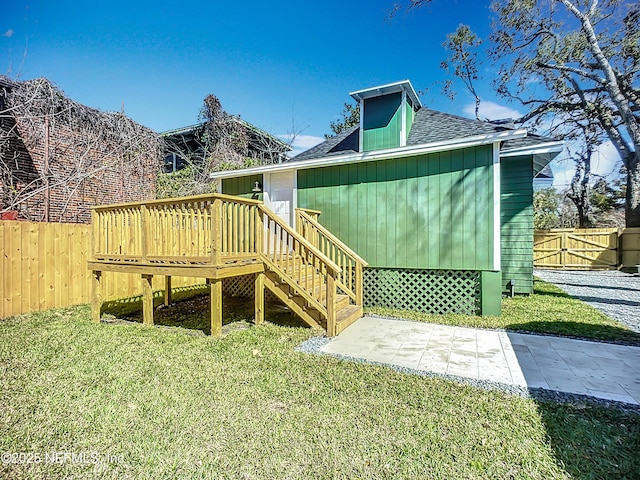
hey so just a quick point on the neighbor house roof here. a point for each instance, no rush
(257, 132)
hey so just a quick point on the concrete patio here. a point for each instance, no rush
(601, 370)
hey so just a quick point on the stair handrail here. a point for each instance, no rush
(332, 270)
(359, 262)
(330, 263)
(339, 243)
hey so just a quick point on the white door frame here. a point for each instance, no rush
(267, 188)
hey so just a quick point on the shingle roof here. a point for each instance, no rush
(345, 142)
(432, 126)
(429, 126)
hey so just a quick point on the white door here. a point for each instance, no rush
(280, 195)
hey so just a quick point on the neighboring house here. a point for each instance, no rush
(440, 206)
(58, 157)
(185, 146)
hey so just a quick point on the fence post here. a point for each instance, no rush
(620, 248)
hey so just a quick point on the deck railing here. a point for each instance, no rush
(349, 279)
(215, 230)
(203, 229)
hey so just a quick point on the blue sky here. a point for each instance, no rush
(283, 66)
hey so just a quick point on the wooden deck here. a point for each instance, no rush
(219, 236)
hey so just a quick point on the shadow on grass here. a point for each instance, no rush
(191, 310)
(581, 330)
(601, 287)
(556, 292)
(591, 441)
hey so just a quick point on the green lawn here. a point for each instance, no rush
(548, 310)
(161, 402)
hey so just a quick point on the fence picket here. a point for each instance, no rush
(587, 249)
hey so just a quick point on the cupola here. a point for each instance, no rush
(386, 115)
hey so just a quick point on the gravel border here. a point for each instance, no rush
(614, 293)
(313, 346)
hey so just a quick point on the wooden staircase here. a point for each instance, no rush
(220, 236)
(312, 272)
(345, 313)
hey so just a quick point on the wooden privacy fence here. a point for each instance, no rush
(587, 249)
(44, 265)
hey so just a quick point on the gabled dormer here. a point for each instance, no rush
(386, 115)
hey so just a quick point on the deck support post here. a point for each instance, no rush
(147, 299)
(216, 307)
(259, 283)
(167, 290)
(96, 301)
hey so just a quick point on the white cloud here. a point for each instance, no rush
(605, 162)
(8, 33)
(301, 142)
(491, 111)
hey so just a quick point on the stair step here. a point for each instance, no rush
(346, 316)
(341, 300)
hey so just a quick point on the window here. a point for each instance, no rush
(173, 163)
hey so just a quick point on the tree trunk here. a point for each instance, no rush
(632, 204)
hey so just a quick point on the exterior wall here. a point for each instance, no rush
(410, 114)
(70, 201)
(516, 220)
(382, 122)
(242, 186)
(434, 211)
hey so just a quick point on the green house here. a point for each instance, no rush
(440, 206)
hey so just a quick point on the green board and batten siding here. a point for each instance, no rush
(382, 125)
(432, 211)
(516, 220)
(242, 186)
(410, 114)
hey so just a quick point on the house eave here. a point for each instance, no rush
(408, 151)
(542, 148)
(404, 85)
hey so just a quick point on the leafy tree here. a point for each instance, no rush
(221, 142)
(546, 205)
(607, 200)
(350, 117)
(573, 63)
(462, 62)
